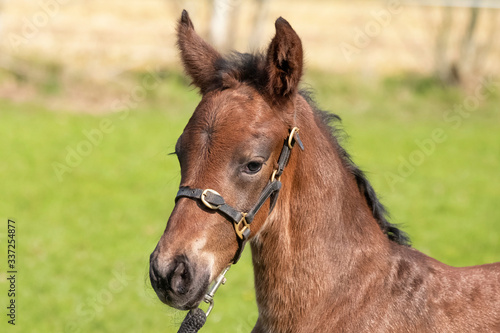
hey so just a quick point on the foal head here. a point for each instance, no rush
(231, 145)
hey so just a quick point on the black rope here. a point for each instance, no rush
(194, 321)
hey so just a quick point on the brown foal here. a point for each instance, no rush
(325, 258)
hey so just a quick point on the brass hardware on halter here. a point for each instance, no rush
(238, 228)
(209, 297)
(238, 218)
(273, 176)
(205, 202)
(241, 220)
(294, 131)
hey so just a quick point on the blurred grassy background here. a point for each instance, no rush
(85, 235)
(84, 241)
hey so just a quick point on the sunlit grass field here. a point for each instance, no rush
(85, 231)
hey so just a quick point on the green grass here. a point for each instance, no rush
(447, 201)
(84, 240)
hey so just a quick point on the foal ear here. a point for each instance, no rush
(284, 60)
(198, 57)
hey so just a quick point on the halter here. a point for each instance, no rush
(196, 318)
(242, 220)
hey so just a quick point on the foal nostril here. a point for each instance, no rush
(176, 277)
(177, 282)
(180, 280)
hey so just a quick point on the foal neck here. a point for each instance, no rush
(319, 232)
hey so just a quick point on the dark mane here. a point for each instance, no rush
(243, 67)
(378, 210)
(250, 68)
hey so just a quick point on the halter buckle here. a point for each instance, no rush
(204, 200)
(241, 226)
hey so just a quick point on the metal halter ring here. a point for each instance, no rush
(205, 202)
(291, 136)
(238, 228)
(273, 176)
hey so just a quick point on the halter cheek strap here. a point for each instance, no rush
(196, 318)
(242, 220)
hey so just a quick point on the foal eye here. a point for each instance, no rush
(253, 167)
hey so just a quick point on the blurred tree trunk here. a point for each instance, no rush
(259, 23)
(491, 41)
(469, 46)
(226, 20)
(3, 55)
(442, 63)
(1, 18)
(223, 23)
(457, 64)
